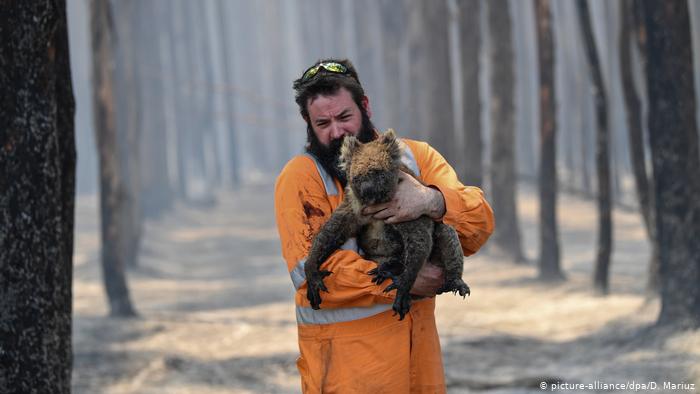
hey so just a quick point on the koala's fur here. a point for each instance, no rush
(399, 249)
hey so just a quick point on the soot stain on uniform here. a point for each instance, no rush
(310, 210)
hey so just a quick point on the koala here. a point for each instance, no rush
(400, 249)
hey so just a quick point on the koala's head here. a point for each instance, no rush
(372, 169)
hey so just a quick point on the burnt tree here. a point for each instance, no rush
(471, 170)
(673, 139)
(503, 175)
(113, 201)
(549, 265)
(37, 197)
(642, 179)
(602, 266)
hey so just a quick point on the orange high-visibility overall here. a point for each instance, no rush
(354, 343)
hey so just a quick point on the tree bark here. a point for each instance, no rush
(549, 266)
(113, 190)
(37, 196)
(471, 171)
(602, 266)
(642, 180)
(673, 139)
(503, 177)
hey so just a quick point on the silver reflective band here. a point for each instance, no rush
(328, 183)
(408, 159)
(299, 275)
(328, 316)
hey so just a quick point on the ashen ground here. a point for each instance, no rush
(217, 313)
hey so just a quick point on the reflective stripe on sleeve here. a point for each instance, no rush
(299, 275)
(307, 315)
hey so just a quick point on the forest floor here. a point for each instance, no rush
(217, 315)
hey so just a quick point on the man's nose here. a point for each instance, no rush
(336, 131)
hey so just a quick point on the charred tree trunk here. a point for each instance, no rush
(37, 196)
(471, 171)
(113, 190)
(633, 104)
(128, 123)
(602, 266)
(673, 139)
(503, 176)
(432, 97)
(549, 266)
(155, 186)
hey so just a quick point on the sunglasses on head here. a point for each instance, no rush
(328, 66)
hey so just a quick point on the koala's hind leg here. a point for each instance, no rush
(418, 242)
(448, 252)
(338, 229)
(387, 268)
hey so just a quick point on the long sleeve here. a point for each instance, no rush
(466, 208)
(301, 209)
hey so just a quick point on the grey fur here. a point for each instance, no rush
(399, 249)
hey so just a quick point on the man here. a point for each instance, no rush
(354, 343)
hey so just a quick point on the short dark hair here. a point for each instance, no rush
(328, 83)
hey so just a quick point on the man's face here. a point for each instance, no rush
(331, 118)
(335, 116)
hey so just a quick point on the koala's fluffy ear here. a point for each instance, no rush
(350, 144)
(389, 138)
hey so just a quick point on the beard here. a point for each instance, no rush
(329, 156)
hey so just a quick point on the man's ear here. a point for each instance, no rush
(365, 106)
(350, 145)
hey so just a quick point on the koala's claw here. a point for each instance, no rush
(402, 304)
(381, 275)
(455, 286)
(391, 287)
(314, 286)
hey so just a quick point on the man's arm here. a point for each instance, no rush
(301, 208)
(444, 198)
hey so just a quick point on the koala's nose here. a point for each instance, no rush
(365, 188)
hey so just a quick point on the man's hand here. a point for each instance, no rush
(430, 278)
(410, 201)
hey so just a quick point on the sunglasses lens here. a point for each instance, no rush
(331, 67)
(334, 67)
(310, 73)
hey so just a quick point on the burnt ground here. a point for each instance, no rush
(217, 316)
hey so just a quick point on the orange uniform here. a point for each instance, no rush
(354, 344)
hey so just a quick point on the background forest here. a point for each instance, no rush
(153, 265)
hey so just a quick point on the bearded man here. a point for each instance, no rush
(354, 344)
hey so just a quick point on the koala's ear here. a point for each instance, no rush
(389, 138)
(350, 144)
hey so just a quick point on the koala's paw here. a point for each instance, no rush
(455, 286)
(402, 304)
(315, 284)
(380, 275)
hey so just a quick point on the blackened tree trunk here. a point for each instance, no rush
(37, 196)
(113, 208)
(156, 190)
(549, 266)
(432, 96)
(673, 139)
(128, 123)
(602, 266)
(643, 180)
(471, 171)
(503, 175)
